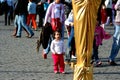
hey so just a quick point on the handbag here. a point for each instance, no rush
(56, 24)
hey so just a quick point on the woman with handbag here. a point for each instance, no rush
(55, 16)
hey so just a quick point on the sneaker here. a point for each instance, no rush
(30, 36)
(98, 64)
(44, 55)
(92, 62)
(56, 72)
(62, 72)
(112, 63)
(17, 36)
(73, 57)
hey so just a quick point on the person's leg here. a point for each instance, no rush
(28, 29)
(95, 50)
(19, 30)
(34, 21)
(110, 12)
(115, 45)
(61, 63)
(68, 29)
(46, 51)
(10, 15)
(95, 56)
(55, 62)
(68, 55)
(73, 49)
(71, 36)
(28, 19)
(40, 22)
(16, 25)
(114, 50)
(108, 16)
(5, 17)
(9, 18)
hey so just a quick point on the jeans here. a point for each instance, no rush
(22, 23)
(116, 43)
(16, 21)
(69, 46)
(46, 51)
(71, 37)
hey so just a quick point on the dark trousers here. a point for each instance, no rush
(40, 22)
(95, 51)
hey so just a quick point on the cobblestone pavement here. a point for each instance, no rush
(20, 61)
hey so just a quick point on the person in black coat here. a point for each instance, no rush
(21, 11)
(40, 13)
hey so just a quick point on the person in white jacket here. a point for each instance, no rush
(69, 23)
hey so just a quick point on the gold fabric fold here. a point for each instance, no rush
(85, 15)
(83, 73)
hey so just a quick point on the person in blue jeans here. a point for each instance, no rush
(21, 10)
(116, 36)
(115, 45)
(71, 42)
(22, 23)
(54, 15)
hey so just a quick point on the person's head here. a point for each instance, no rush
(57, 1)
(57, 35)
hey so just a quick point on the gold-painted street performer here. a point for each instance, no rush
(85, 16)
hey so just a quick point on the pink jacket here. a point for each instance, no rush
(50, 13)
(100, 35)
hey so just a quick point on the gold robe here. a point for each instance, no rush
(85, 16)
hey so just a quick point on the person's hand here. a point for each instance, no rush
(39, 3)
(44, 24)
(96, 34)
(71, 24)
(54, 53)
(63, 53)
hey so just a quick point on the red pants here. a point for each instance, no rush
(33, 18)
(58, 62)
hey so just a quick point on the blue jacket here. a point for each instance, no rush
(31, 8)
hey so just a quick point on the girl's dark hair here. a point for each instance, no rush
(59, 31)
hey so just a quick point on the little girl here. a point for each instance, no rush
(100, 34)
(58, 50)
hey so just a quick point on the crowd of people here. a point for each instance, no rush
(59, 14)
